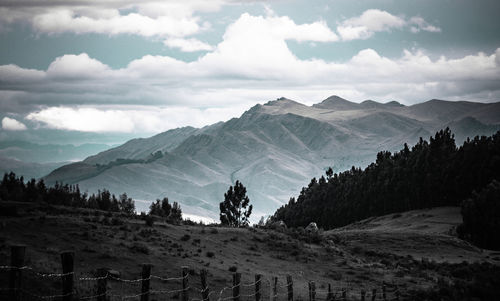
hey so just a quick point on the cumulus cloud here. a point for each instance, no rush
(64, 20)
(10, 124)
(252, 63)
(375, 20)
(77, 67)
(148, 18)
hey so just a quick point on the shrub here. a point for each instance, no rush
(481, 217)
(233, 269)
(186, 237)
(149, 220)
(210, 254)
(139, 247)
(116, 221)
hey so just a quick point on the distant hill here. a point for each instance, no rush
(34, 160)
(27, 169)
(274, 149)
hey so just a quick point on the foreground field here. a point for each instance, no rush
(414, 252)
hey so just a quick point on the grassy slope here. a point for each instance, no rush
(360, 255)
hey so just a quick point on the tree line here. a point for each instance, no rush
(162, 208)
(13, 188)
(430, 174)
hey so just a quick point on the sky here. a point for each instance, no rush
(110, 70)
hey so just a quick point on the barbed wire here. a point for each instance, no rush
(391, 290)
(94, 296)
(9, 267)
(40, 274)
(128, 280)
(169, 279)
(92, 278)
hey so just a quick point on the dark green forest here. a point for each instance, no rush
(481, 217)
(430, 174)
(13, 188)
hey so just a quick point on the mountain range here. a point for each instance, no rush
(273, 149)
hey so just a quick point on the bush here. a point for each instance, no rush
(149, 220)
(233, 269)
(210, 254)
(186, 237)
(116, 221)
(481, 217)
(139, 247)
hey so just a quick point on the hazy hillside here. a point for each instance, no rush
(43, 153)
(34, 160)
(27, 169)
(274, 149)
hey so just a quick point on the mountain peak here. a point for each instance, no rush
(336, 103)
(394, 104)
(282, 101)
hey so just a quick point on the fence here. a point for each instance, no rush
(106, 285)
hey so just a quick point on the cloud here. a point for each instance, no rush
(77, 67)
(252, 63)
(129, 120)
(375, 20)
(148, 18)
(187, 45)
(10, 124)
(64, 20)
(418, 24)
(255, 47)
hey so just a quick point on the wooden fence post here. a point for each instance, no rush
(289, 285)
(344, 294)
(363, 294)
(146, 280)
(236, 286)
(204, 285)
(185, 284)
(397, 294)
(102, 274)
(312, 291)
(258, 279)
(275, 289)
(309, 290)
(67, 259)
(374, 294)
(384, 296)
(329, 296)
(17, 253)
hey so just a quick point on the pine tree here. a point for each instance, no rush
(175, 213)
(234, 211)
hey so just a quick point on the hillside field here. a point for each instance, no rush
(413, 251)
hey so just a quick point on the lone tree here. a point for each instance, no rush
(234, 211)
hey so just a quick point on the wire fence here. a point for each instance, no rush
(25, 283)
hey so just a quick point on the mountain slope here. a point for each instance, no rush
(274, 149)
(43, 153)
(27, 169)
(142, 147)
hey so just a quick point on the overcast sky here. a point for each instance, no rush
(110, 70)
